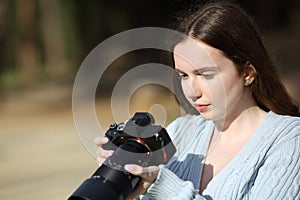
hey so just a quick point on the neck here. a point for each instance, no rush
(248, 117)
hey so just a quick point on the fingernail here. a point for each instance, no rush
(105, 139)
(110, 153)
(129, 167)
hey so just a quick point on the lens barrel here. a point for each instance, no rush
(111, 181)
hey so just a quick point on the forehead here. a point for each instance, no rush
(197, 53)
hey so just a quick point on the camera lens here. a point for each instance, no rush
(111, 176)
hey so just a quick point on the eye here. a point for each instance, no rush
(182, 76)
(208, 75)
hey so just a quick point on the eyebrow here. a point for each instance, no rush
(202, 69)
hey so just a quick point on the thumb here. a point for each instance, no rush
(147, 173)
(134, 169)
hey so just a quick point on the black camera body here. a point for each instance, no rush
(139, 142)
(141, 129)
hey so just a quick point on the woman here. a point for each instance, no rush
(245, 144)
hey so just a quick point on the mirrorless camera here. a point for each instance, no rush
(138, 141)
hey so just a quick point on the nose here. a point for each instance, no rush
(193, 90)
(194, 98)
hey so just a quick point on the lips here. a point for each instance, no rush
(202, 107)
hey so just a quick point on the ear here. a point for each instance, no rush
(249, 74)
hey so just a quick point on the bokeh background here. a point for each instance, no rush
(42, 45)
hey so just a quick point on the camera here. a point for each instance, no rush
(138, 141)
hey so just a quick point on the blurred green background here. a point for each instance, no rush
(42, 44)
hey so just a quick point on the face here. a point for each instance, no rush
(209, 80)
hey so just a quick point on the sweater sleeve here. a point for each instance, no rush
(279, 176)
(169, 187)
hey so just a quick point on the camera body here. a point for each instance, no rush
(138, 141)
(141, 129)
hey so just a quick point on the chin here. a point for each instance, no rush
(212, 115)
(206, 115)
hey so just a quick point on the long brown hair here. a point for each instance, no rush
(226, 26)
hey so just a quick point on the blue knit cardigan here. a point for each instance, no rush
(266, 168)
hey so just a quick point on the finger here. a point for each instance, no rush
(147, 173)
(99, 141)
(134, 169)
(104, 153)
(100, 161)
(136, 192)
(148, 176)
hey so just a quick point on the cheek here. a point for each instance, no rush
(217, 90)
(186, 88)
(226, 91)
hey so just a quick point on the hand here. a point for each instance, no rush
(147, 174)
(102, 154)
